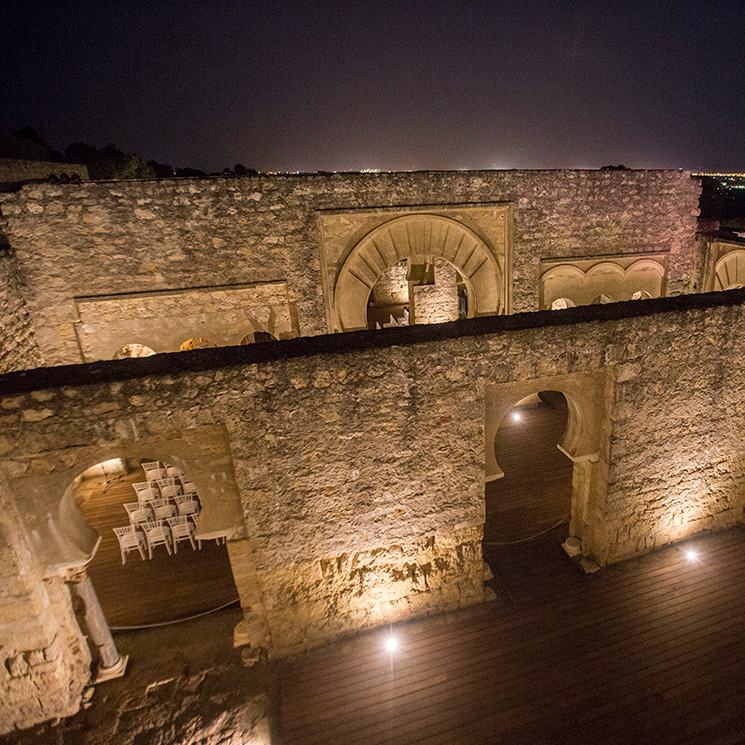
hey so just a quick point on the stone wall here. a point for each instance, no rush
(163, 321)
(44, 660)
(107, 238)
(437, 302)
(18, 348)
(359, 460)
(360, 468)
(392, 288)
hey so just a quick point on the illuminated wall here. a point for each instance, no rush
(115, 240)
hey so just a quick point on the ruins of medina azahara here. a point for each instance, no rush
(306, 374)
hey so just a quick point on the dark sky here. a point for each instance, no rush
(393, 85)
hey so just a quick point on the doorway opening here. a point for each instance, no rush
(528, 509)
(145, 573)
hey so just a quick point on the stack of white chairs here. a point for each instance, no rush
(154, 470)
(163, 509)
(165, 513)
(146, 491)
(157, 533)
(139, 512)
(130, 539)
(182, 528)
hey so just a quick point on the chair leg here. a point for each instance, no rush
(142, 551)
(149, 550)
(191, 540)
(124, 560)
(168, 548)
(175, 546)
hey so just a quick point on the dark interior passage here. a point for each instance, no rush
(536, 489)
(149, 591)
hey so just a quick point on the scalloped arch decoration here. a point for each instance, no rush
(415, 238)
(606, 278)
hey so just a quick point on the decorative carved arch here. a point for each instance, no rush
(607, 268)
(644, 266)
(607, 278)
(729, 272)
(583, 441)
(134, 349)
(580, 440)
(415, 238)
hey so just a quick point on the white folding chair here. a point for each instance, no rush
(169, 488)
(182, 528)
(163, 509)
(130, 539)
(139, 512)
(187, 505)
(146, 491)
(153, 470)
(157, 533)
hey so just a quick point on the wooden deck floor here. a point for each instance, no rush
(648, 651)
(536, 489)
(150, 591)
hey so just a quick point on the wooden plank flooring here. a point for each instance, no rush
(647, 651)
(150, 591)
(536, 489)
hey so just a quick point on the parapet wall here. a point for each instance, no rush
(109, 238)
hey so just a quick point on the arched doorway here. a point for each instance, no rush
(197, 342)
(257, 337)
(140, 579)
(133, 350)
(535, 492)
(419, 240)
(528, 509)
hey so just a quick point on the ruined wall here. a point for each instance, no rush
(438, 302)
(392, 288)
(163, 321)
(360, 468)
(18, 348)
(44, 660)
(107, 238)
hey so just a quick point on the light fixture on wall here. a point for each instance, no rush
(517, 416)
(692, 555)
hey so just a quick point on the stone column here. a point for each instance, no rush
(112, 665)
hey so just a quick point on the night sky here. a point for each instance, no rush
(305, 86)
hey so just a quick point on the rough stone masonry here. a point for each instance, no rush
(347, 470)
